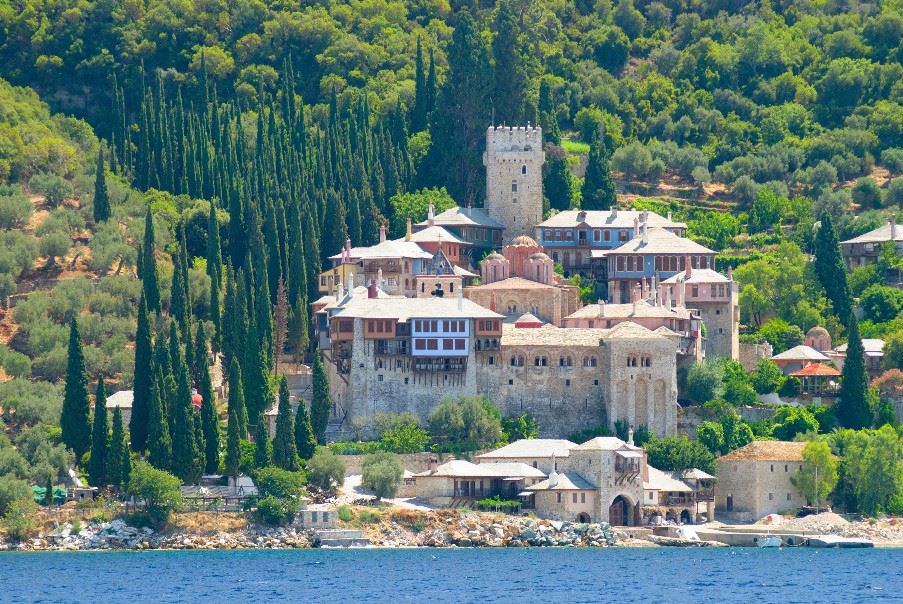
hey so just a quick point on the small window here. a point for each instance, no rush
(379, 377)
(717, 311)
(313, 516)
(595, 382)
(772, 467)
(523, 169)
(574, 497)
(788, 496)
(491, 360)
(786, 468)
(559, 497)
(406, 380)
(771, 497)
(567, 382)
(510, 382)
(514, 186)
(583, 497)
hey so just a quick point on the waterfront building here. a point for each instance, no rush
(866, 248)
(755, 480)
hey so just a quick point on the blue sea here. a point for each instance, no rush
(550, 576)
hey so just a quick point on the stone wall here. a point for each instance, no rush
(751, 353)
(757, 487)
(550, 304)
(514, 155)
(412, 462)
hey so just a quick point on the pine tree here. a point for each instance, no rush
(458, 123)
(305, 441)
(829, 268)
(100, 439)
(101, 194)
(117, 453)
(143, 377)
(321, 402)
(852, 408)
(149, 275)
(237, 398)
(233, 445)
(261, 444)
(598, 192)
(285, 451)
(510, 91)
(75, 417)
(159, 444)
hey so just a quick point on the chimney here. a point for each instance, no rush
(630, 437)
(379, 278)
(668, 297)
(730, 273)
(340, 293)
(433, 464)
(689, 267)
(382, 233)
(371, 289)
(601, 308)
(430, 216)
(636, 227)
(893, 227)
(614, 211)
(460, 298)
(645, 234)
(644, 216)
(644, 293)
(408, 233)
(350, 283)
(669, 215)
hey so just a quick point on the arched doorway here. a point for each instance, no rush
(583, 518)
(685, 517)
(620, 512)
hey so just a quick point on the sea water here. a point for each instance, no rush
(546, 575)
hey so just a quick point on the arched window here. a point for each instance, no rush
(589, 361)
(565, 361)
(540, 361)
(523, 169)
(517, 360)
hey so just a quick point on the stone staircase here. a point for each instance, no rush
(341, 538)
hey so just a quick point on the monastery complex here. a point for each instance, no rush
(469, 302)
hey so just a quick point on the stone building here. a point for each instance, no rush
(542, 453)
(514, 158)
(755, 480)
(578, 239)
(717, 300)
(391, 263)
(474, 225)
(569, 379)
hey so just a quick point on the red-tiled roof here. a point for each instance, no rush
(816, 369)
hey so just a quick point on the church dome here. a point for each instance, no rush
(539, 256)
(817, 331)
(524, 240)
(494, 256)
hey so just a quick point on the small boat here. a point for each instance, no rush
(768, 541)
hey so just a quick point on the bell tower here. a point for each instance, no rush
(513, 160)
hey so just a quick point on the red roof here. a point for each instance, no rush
(196, 401)
(816, 369)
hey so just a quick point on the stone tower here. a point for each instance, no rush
(513, 160)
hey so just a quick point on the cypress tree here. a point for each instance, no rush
(233, 446)
(598, 192)
(100, 439)
(285, 451)
(149, 276)
(143, 377)
(117, 453)
(852, 409)
(75, 417)
(237, 398)
(159, 444)
(557, 181)
(419, 114)
(184, 445)
(214, 270)
(321, 402)
(209, 422)
(431, 85)
(178, 299)
(458, 123)
(200, 447)
(305, 441)
(101, 194)
(510, 91)
(48, 490)
(829, 268)
(261, 444)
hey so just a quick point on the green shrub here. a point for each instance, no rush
(325, 469)
(276, 510)
(54, 188)
(276, 482)
(346, 514)
(158, 490)
(382, 473)
(355, 448)
(15, 209)
(368, 517)
(405, 438)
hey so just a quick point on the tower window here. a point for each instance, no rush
(514, 186)
(523, 169)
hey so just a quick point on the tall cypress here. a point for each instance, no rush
(209, 422)
(149, 276)
(214, 270)
(510, 90)
(159, 443)
(118, 453)
(458, 123)
(101, 194)
(419, 114)
(305, 440)
(237, 398)
(141, 388)
(285, 451)
(852, 408)
(321, 401)
(233, 445)
(100, 439)
(829, 268)
(75, 419)
(261, 443)
(431, 85)
(184, 445)
(598, 192)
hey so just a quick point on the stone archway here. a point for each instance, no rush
(621, 512)
(583, 518)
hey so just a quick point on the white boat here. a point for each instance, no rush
(768, 541)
